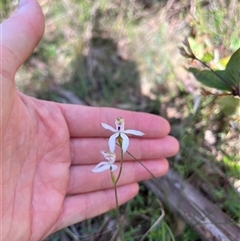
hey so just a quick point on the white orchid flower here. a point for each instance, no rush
(109, 158)
(119, 131)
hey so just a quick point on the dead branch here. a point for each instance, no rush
(206, 218)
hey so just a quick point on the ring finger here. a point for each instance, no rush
(82, 180)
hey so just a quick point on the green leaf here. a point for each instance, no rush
(209, 79)
(229, 105)
(233, 70)
(207, 57)
(197, 48)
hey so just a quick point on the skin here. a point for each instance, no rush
(48, 149)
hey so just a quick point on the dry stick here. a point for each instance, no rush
(208, 220)
(192, 203)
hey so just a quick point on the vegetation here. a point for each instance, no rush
(125, 54)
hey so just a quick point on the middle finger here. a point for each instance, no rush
(87, 150)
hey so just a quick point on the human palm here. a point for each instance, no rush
(37, 153)
(48, 149)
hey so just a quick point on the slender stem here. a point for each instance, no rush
(115, 189)
(135, 160)
(214, 72)
(117, 205)
(121, 165)
(193, 56)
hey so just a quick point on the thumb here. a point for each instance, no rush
(20, 35)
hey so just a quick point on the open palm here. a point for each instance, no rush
(48, 149)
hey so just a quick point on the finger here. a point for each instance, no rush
(87, 150)
(85, 121)
(80, 207)
(21, 34)
(83, 180)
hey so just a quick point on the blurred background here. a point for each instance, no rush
(125, 54)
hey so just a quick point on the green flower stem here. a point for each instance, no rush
(117, 205)
(121, 161)
(115, 190)
(121, 164)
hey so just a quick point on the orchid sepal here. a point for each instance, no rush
(111, 141)
(134, 132)
(108, 127)
(125, 141)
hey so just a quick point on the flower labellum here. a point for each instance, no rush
(120, 132)
(109, 158)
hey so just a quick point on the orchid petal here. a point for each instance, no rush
(134, 132)
(111, 141)
(108, 127)
(125, 142)
(102, 166)
(103, 153)
(114, 167)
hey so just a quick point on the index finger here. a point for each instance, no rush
(84, 121)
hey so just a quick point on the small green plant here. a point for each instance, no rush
(227, 81)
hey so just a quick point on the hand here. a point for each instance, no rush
(48, 149)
